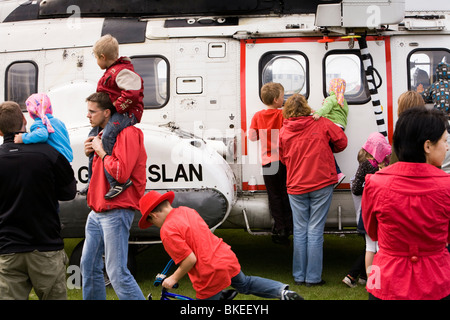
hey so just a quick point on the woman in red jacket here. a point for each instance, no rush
(406, 207)
(304, 147)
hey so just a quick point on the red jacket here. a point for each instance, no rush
(128, 160)
(265, 126)
(124, 87)
(406, 207)
(304, 149)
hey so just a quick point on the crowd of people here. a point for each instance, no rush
(401, 194)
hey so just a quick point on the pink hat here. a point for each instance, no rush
(38, 105)
(149, 202)
(378, 147)
(337, 86)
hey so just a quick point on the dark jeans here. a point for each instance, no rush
(274, 175)
(261, 287)
(358, 268)
(116, 124)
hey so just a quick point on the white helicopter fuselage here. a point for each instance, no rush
(202, 78)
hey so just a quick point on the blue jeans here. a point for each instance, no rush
(115, 125)
(107, 233)
(261, 287)
(309, 213)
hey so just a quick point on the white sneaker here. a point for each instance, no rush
(348, 281)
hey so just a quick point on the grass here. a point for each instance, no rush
(258, 256)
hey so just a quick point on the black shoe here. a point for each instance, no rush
(290, 295)
(116, 190)
(280, 237)
(228, 294)
(322, 282)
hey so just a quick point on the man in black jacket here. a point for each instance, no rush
(33, 177)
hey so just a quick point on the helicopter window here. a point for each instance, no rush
(154, 70)
(422, 65)
(288, 68)
(347, 64)
(21, 82)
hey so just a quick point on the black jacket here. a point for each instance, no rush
(33, 177)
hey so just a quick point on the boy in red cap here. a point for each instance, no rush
(210, 263)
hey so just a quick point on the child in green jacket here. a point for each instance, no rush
(335, 108)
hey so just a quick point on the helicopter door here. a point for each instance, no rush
(305, 66)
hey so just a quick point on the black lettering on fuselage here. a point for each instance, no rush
(83, 176)
(160, 173)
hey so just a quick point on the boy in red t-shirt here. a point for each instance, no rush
(265, 126)
(208, 260)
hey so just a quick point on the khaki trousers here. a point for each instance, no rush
(45, 272)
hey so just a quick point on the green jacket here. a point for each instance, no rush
(332, 110)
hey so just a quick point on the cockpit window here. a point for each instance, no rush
(422, 65)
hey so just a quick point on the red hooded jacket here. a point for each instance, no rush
(124, 87)
(406, 208)
(304, 147)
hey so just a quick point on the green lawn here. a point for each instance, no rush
(258, 255)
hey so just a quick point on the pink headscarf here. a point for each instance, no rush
(337, 86)
(378, 147)
(38, 105)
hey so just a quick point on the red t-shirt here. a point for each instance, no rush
(183, 232)
(265, 126)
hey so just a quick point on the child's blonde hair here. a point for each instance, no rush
(363, 155)
(108, 46)
(408, 100)
(296, 106)
(270, 91)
